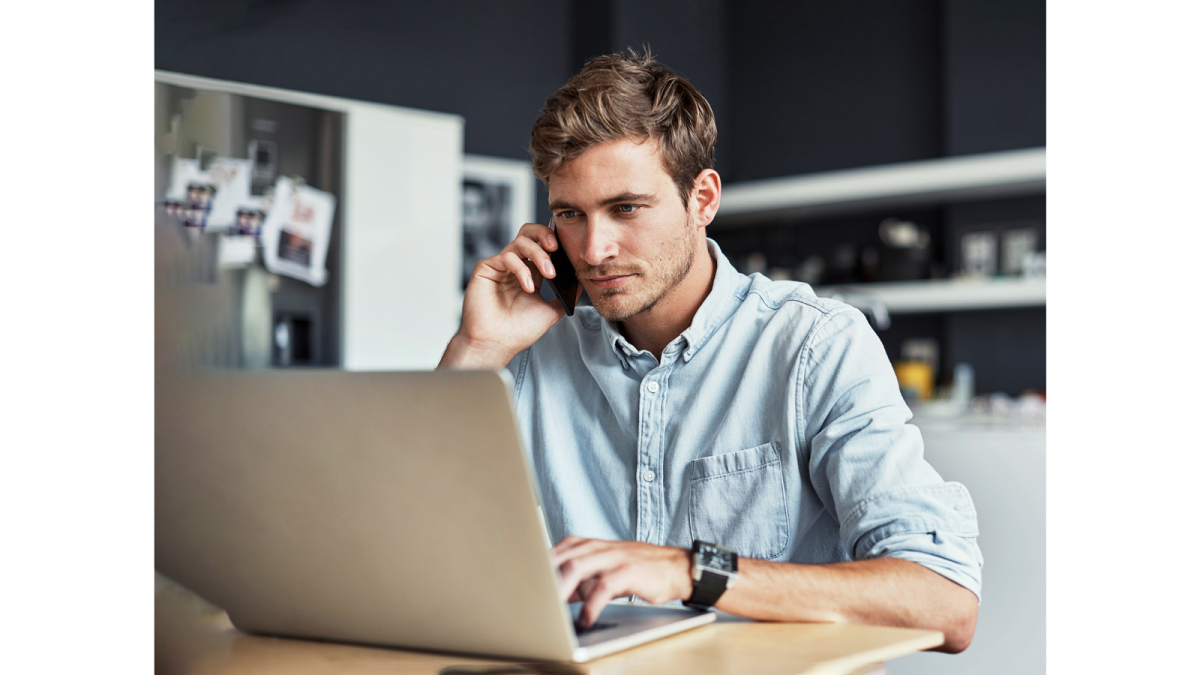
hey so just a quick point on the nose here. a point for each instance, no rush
(600, 244)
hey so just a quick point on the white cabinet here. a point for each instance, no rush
(1003, 466)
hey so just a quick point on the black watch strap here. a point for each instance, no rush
(717, 568)
(707, 591)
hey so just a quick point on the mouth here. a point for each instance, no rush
(611, 281)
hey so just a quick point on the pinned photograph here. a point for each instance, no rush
(208, 199)
(183, 173)
(235, 251)
(230, 180)
(294, 248)
(249, 222)
(183, 192)
(198, 205)
(295, 233)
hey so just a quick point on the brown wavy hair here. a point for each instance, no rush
(627, 96)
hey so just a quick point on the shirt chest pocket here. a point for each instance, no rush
(738, 501)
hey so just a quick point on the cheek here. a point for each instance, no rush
(570, 241)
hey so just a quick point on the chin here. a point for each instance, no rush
(619, 307)
(613, 311)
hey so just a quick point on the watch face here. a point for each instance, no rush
(717, 558)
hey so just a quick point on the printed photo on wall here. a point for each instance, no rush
(249, 222)
(208, 199)
(188, 193)
(230, 180)
(198, 204)
(295, 233)
(498, 197)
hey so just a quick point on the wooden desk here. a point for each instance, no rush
(193, 637)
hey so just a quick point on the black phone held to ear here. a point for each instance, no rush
(564, 284)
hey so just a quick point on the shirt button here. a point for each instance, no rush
(648, 476)
(653, 389)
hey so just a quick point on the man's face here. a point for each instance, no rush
(620, 220)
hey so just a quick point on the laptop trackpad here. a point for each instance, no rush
(620, 619)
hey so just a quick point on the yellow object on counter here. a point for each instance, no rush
(915, 378)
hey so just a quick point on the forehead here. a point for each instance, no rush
(623, 165)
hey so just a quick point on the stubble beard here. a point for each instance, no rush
(610, 306)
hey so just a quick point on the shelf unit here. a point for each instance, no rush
(995, 175)
(949, 295)
(951, 179)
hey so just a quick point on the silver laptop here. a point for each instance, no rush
(393, 509)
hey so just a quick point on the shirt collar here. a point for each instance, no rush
(713, 312)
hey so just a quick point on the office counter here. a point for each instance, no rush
(192, 637)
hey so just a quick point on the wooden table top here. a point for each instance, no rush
(192, 637)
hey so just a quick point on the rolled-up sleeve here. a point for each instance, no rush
(867, 463)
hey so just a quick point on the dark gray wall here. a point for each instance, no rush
(833, 85)
(690, 37)
(995, 75)
(820, 86)
(796, 86)
(494, 63)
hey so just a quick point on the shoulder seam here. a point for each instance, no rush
(792, 297)
(801, 376)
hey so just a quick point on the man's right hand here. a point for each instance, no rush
(503, 312)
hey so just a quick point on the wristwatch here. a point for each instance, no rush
(714, 568)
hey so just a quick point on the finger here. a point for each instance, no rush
(605, 588)
(515, 264)
(568, 541)
(532, 250)
(534, 273)
(583, 590)
(574, 571)
(539, 233)
(581, 548)
(498, 268)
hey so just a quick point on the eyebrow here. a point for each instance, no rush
(615, 199)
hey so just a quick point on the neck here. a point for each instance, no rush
(655, 328)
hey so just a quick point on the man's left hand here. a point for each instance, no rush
(594, 571)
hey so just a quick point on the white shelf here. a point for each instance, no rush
(984, 176)
(944, 295)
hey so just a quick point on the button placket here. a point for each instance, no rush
(645, 509)
(649, 497)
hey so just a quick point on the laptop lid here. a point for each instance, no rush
(385, 508)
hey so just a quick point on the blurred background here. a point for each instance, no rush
(889, 154)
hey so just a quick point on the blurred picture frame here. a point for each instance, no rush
(498, 196)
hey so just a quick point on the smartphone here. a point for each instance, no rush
(564, 284)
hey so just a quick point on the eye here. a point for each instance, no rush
(628, 208)
(567, 215)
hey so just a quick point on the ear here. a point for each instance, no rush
(706, 197)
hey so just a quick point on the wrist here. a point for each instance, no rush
(714, 569)
(466, 353)
(683, 574)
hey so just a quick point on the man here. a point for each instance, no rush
(693, 403)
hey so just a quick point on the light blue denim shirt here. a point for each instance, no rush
(773, 426)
